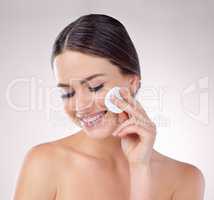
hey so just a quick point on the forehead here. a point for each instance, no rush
(75, 65)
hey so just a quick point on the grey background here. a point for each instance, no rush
(174, 40)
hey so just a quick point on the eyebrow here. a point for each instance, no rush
(82, 81)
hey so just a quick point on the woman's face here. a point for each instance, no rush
(84, 98)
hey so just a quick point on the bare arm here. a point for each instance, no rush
(37, 177)
(191, 186)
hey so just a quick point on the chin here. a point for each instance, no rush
(99, 132)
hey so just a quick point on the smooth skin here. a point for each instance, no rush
(94, 164)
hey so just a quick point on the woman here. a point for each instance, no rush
(112, 156)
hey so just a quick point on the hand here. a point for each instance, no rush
(138, 132)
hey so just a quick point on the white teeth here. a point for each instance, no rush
(93, 118)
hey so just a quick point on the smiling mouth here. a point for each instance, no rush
(93, 121)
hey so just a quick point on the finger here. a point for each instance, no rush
(130, 104)
(137, 122)
(146, 123)
(142, 110)
(140, 131)
(124, 105)
(136, 112)
(123, 125)
(128, 143)
(128, 97)
(126, 94)
(143, 129)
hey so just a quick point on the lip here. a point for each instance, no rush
(91, 125)
(90, 115)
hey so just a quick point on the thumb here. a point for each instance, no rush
(124, 143)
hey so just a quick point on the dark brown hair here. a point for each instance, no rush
(101, 35)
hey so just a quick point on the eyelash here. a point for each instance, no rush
(70, 94)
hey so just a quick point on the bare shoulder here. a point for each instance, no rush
(185, 171)
(37, 177)
(42, 154)
(54, 151)
(189, 181)
(43, 163)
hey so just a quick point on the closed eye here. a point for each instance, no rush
(67, 95)
(71, 94)
(96, 88)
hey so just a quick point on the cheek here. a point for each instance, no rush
(99, 100)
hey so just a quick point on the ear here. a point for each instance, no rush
(134, 84)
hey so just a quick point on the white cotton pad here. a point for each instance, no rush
(108, 103)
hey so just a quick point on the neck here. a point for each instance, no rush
(108, 149)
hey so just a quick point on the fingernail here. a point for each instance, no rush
(112, 98)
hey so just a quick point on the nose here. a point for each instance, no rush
(84, 100)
